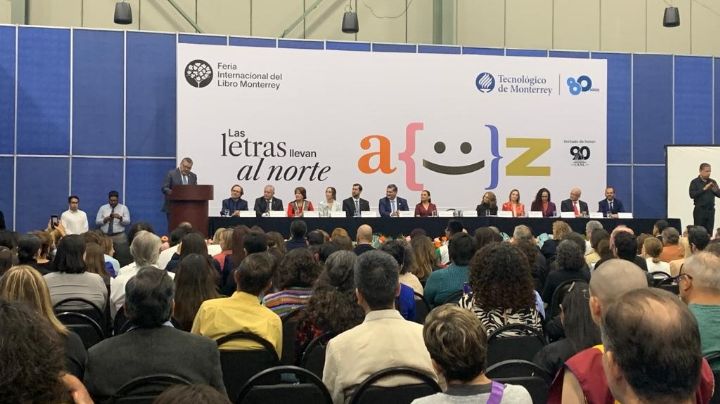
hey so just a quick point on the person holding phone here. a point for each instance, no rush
(113, 218)
(74, 220)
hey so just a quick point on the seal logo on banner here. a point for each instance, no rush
(580, 85)
(485, 82)
(198, 73)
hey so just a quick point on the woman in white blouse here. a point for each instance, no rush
(330, 204)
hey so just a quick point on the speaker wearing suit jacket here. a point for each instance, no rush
(604, 206)
(261, 205)
(348, 205)
(178, 176)
(567, 206)
(385, 206)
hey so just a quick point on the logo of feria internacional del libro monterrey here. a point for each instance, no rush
(198, 73)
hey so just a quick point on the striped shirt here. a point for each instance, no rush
(285, 301)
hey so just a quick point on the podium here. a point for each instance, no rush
(189, 203)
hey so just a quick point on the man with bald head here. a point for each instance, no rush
(699, 283)
(363, 239)
(580, 379)
(574, 204)
(669, 368)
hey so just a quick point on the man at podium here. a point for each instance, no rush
(179, 176)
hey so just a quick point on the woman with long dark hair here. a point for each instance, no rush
(194, 283)
(70, 278)
(543, 203)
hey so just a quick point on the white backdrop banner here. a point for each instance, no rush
(456, 125)
(683, 166)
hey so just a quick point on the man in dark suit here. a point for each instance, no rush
(610, 206)
(178, 176)
(355, 204)
(267, 202)
(152, 345)
(391, 204)
(574, 204)
(234, 204)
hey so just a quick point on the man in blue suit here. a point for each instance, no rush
(234, 204)
(391, 204)
(610, 206)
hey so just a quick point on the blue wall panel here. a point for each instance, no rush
(652, 108)
(43, 106)
(203, 39)
(570, 54)
(618, 107)
(716, 95)
(619, 177)
(42, 190)
(527, 52)
(151, 117)
(7, 90)
(650, 184)
(144, 179)
(693, 100)
(6, 190)
(98, 92)
(92, 188)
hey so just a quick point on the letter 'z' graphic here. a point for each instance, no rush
(410, 165)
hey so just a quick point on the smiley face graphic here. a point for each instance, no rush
(465, 148)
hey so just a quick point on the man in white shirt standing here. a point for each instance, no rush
(112, 218)
(74, 220)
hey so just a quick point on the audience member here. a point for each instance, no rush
(342, 242)
(298, 230)
(25, 284)
(151, 346)
(193, 243)
(95, 262)
(699, 284)
(242, 311)
(579, 380)
(333, 306)
(485, 236)
(363, 239)
(502, 289)
(145, 249)
(424, 257)
(698, 238)
(652, 350)
(405, 302)
(623, 245)
(276, 241)
(28, 250)
(383, 340)
(70, 279)
(658, 228)
(672, 250)
(194, 283)
(652, 247)
(580, 330)
(570, 265)
(42, 260)
(253, 242)
(176, 236)
(458, 347)
(453, 227)
(7, 259)
(293, 281)
(443, 284)
(590, 227)
(191, 394)
(225, 243)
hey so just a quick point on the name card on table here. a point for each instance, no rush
(625, 215)
(470, 213)
(247, 213)
(311, 213)
(446, 213)
(535, 213)
(504, 213)
(596, 215)
(406, 213)
(369, 213)
(278, 213)
(567, 215)
(335, 213)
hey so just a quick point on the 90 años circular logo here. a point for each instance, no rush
(198, 73)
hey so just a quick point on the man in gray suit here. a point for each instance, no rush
(178, 176)
(152, 345)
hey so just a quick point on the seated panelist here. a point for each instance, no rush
(234, 204)
(514, 205)
(425, 208)
(297, 207)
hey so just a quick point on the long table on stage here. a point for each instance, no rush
(433, 226)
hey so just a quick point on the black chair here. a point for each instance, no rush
(514, 347)
(88, 308)
(664, 281)
(284, 384)
(454, 297)
(144, 390)
(559, 294)
(524, 373)
(422, 308)
(367, 393)
(121, 323)
(313, 358)
(713, 360)
(289, 325)
(89, 330)
(239, 365)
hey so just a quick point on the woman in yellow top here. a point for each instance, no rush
(514, 205)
